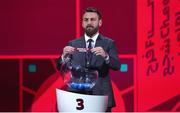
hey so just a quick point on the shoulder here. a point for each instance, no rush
(106, 39)
(76, 40)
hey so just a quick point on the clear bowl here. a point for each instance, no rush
(80, 78)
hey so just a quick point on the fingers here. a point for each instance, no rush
(98, 51)
(68, 50)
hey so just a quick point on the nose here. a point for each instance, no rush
(89, 22)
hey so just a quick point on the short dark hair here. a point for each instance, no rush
(94, 10)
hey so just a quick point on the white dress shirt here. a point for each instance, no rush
(94, 38)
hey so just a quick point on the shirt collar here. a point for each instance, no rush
(93, 38)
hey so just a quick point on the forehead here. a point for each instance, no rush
(90, 15)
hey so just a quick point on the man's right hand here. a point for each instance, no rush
(68, 50)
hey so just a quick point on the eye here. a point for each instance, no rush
(93, 19)
(86, 19)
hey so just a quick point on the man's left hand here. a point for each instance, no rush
(99, 51)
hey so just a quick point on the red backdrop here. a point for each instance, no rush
(34, 32)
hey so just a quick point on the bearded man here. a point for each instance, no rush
(103, 55)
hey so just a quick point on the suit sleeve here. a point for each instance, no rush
(60, 60)
(113, 57)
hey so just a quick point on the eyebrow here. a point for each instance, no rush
(88, 18)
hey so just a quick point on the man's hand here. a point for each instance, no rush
(68, 50)
(99, 51)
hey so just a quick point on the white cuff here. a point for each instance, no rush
(107, 59)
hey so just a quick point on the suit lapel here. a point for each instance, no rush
(99, 42)
(82, 43)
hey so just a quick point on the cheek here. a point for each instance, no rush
(84, 25)
(96, 24)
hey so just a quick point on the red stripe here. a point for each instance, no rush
(54, 65)
(127, 90)
(175, 108)
(28, 56)
(20, 85)
(29, 90)
(78, 18)
(50, 56)
(135, 85)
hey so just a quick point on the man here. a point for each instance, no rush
(103, 54)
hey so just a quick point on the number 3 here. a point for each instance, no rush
(80, 104)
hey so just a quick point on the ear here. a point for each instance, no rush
(100, 23)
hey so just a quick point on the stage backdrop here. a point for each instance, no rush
(147, 35)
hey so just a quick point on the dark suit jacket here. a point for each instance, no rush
(103, 85)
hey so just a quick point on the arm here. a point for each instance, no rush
(110, 56)
(67, 51)
(113, 62)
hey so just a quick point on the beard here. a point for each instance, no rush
(90, 30)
